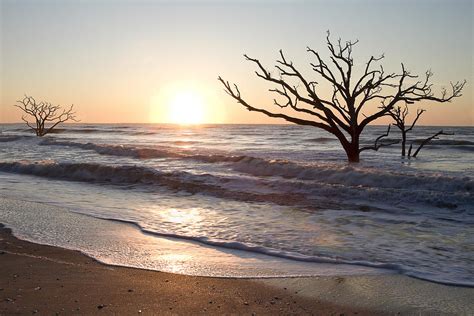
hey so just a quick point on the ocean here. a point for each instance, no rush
(280, 191)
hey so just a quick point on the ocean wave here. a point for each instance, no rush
(353, 176)
(12, 138)
(320, 140)
(85, 131)
(144, 152)
(446, 142)
(93, 130)
(208, 184)
(88, 172)
(346, 175)
(18, 129)
(337, 189)
(114, 150)
(236, 245)
(465, 148)
(290, 255)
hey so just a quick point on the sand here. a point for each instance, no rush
(48, 280)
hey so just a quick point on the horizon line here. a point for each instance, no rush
(204, 124)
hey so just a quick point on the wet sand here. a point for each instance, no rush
(39, 279)
(47, 280)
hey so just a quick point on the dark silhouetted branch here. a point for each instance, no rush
(426, 141)
(376, 146)
(399, 115)
(342, 112)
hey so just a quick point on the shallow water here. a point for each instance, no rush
(273, 189)
(117, 243)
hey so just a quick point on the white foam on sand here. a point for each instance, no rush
(124, 244)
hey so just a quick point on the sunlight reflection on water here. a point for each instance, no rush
(122, 244)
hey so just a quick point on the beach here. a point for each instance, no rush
(236, 157)
(47, 280)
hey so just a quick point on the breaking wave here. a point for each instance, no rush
(279, 253)
(142, 152)
(123, 175)
(335, 187)
(332, 174)
(353, 176)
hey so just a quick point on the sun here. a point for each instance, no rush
(186, 107)
(186, 103)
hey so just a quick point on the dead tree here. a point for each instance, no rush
(424, 142)
(46, 115)
(342, 112)
(399, 115)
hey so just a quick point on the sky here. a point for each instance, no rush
(157, 61)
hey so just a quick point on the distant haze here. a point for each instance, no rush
(132, 61)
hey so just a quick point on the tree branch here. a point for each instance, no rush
(340, 113)
(376, 146)
(44, 112)
(426, 141)
(236, 95)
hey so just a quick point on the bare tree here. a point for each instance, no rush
(341, 113)
(46, 115)
(399, 115)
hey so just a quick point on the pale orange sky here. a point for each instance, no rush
(123, 61)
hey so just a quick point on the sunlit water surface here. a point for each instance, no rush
(284, 191)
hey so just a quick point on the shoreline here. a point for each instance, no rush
(124, 244)
(82, 285)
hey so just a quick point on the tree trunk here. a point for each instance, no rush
(352, 149)
(352, 155)
(404, 141)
